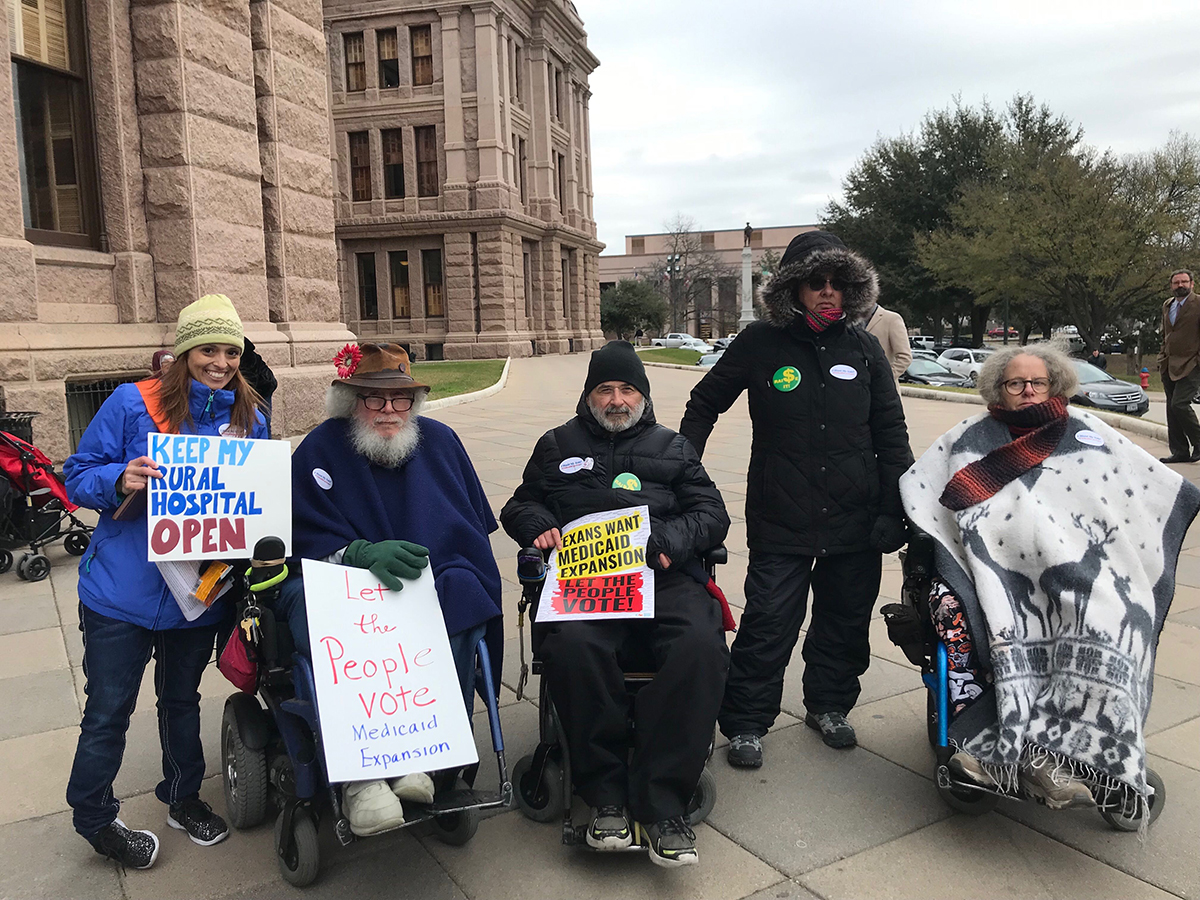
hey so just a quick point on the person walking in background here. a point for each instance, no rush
(888, 328)
(823, 490)
(1178, 364)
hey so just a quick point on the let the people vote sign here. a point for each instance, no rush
(600, 572)
(217, 496)
(387, 689)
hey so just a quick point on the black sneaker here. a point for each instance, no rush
(835, 730)
(196, 817)
(132, 849)
(672, 843)
(609, 829)
(745, 751)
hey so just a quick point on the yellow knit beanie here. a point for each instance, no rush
(210, 320)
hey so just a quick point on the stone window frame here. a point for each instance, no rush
(388, 65)
(425, 186)
(360, 168)
(392, 142)
(434, 290)
(33, 72)
(367, 293)
(420, 62)
(356, 41)
(393, 270)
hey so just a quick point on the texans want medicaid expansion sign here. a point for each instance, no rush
(600, 572)
(217, 496)
(387, 689)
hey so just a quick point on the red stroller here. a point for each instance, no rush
(33, 508)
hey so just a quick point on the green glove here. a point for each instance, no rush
(389, 561)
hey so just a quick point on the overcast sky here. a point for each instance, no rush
(727, 111)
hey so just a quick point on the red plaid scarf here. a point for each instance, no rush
(1036, 431)
(820, 320)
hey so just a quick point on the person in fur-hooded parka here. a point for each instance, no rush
(829, 446)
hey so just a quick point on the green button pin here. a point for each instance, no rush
(786, 379)
(627, 481)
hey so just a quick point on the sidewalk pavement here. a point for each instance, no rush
(813, 822)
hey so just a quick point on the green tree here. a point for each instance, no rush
(632, 304)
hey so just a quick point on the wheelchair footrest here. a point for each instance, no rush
(907, 631)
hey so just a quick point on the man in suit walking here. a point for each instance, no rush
(1179, 364)
(888, 328)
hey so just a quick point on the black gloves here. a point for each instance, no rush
(389, 561)
(888, 534)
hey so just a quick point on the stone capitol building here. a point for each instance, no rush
(383, 169)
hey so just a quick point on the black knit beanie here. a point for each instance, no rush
(617, 361)
(810, 242)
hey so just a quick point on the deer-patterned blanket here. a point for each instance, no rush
(1066, 575)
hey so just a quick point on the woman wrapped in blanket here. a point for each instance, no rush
(126, 612)
(1056, 544)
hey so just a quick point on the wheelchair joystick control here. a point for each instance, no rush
(531, 566)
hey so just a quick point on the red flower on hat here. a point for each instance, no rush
(347, 360)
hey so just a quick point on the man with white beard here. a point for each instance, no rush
(376, 486)
(610, 456)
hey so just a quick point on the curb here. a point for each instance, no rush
(473, 395)
(1124, 423)
(658, 365)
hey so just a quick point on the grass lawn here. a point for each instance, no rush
(666, 355)
(446, 379)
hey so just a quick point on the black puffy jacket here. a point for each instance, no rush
(687, 514)
(827, 455)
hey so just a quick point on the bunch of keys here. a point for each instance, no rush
(250, 626)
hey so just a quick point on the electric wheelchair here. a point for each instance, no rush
(272, 759)
(542, 782)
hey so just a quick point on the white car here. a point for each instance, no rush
(920, 341)
(708, 360)
(696, 344)
(673, 340)
(965, 362)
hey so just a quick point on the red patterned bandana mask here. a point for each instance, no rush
(821, 319)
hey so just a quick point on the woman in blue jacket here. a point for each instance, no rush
(126, 612)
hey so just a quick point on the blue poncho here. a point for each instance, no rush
(434, 499)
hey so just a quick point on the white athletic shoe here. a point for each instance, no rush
(371, 807)
(416, 787)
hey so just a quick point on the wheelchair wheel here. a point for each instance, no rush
(456, 828)
(1118, 818)
(76, 543)
(703, 800)
(541, 801)
(245, 772)
(299, 863)
(967, 800)
(6, 561)
(33, 567)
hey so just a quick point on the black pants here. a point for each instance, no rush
(1183, 429)
(673, 715)
(836, 651)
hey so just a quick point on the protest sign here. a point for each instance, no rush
(387, 689)
(601, 571)
(217, 496)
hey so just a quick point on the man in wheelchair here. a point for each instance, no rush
(613, 455)
(378, 487)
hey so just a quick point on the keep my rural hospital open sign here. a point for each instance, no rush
(217, 496)
(601, 571)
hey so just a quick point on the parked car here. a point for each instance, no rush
(697, 345)
(999, 332)
(708, 360)
(920, 341)
(965, 361)
(924, 354)
(673, 340)
(1099, 389)
(722, 343)
(926, 371)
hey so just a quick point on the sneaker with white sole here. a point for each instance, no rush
(672, 843)
(416, 787)
(371, 807)
(965, 767)
(196, 817)
(131, 848)
(745, 751)
(1044, 778)
(609, 829)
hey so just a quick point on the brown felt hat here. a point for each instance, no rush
(382, 366)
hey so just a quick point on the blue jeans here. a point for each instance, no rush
(115, 655)
(290, 607)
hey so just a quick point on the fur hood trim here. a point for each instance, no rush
(781, 294)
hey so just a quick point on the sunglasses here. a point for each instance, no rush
(817, 283)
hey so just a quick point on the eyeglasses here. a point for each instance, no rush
(375, 403)
(1017, 385)
(817, 283)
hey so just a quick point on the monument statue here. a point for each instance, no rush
(746, 235)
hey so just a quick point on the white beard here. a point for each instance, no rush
(387, 452)
(632, 415)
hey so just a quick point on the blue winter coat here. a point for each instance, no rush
(115, 577)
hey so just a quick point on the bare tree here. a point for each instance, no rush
(686, 273)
